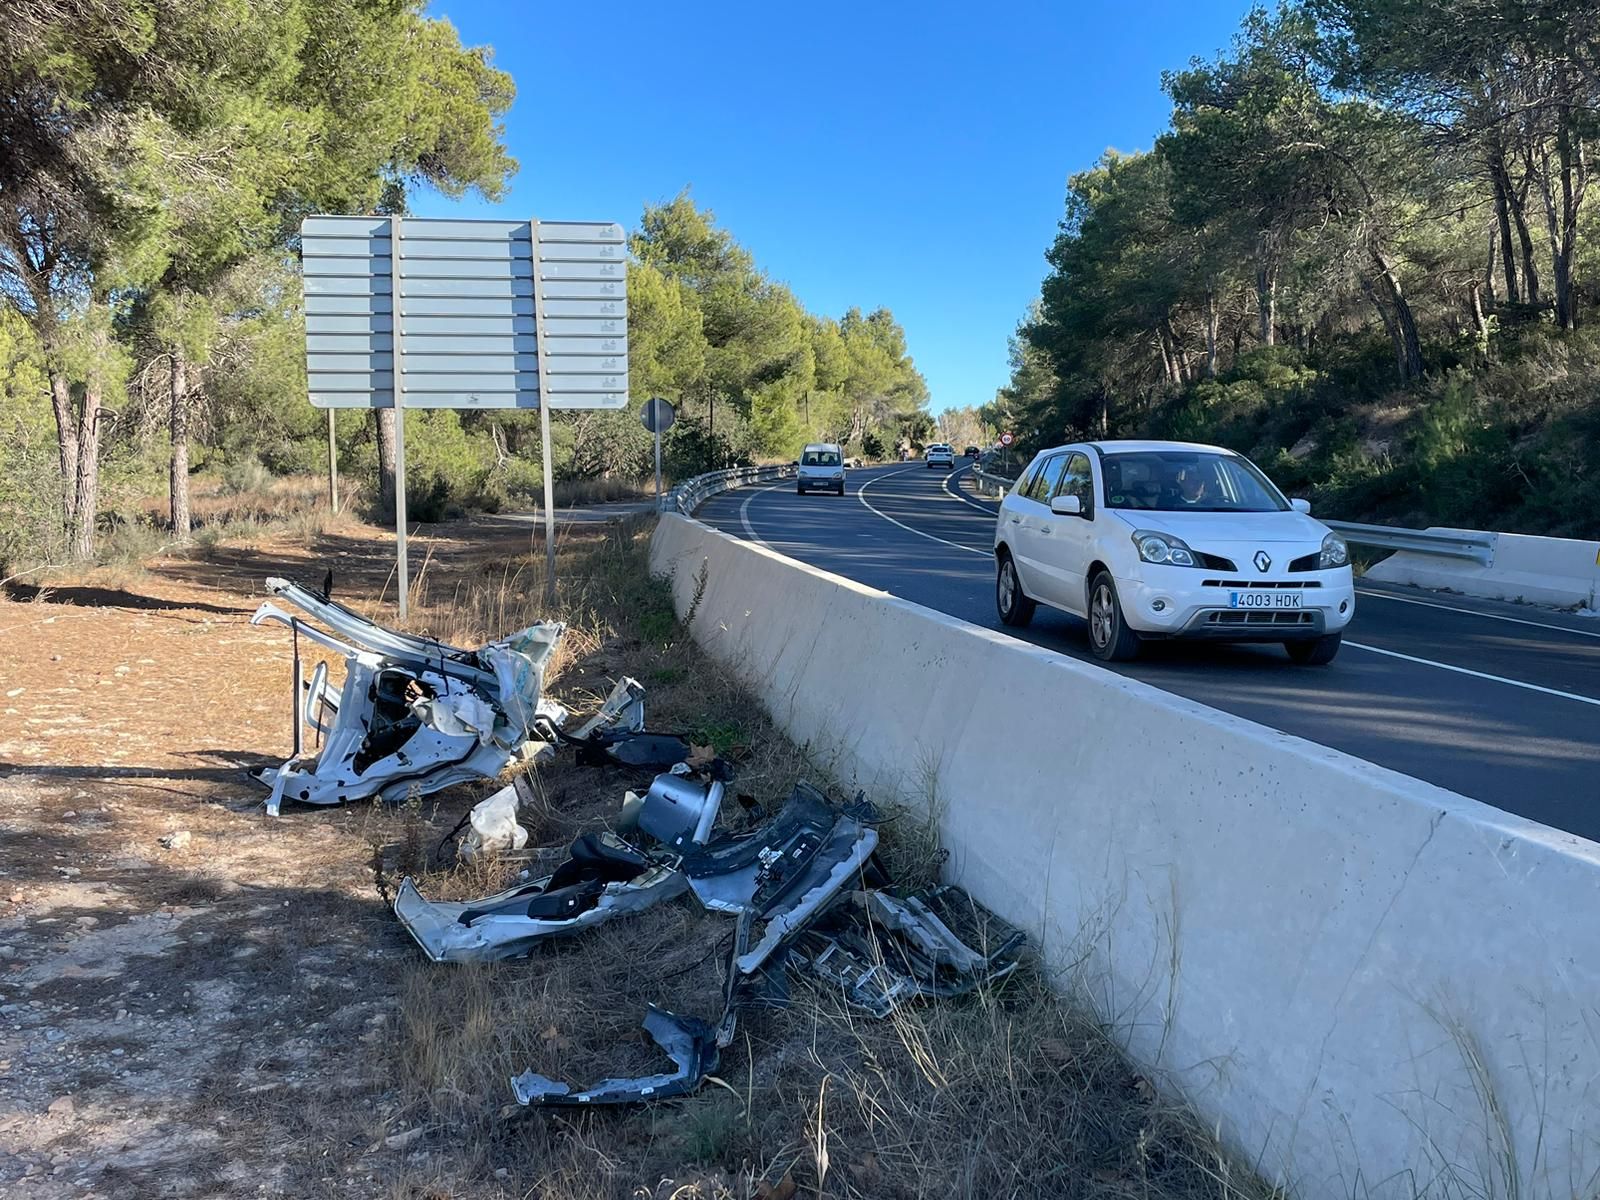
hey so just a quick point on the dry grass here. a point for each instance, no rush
(1008, 1093)
(570, 492)
(334, 1035)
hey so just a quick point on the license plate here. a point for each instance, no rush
(1265, 598)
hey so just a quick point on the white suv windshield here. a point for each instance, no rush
(1188, 481)
(819, 458)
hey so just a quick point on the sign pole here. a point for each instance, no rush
(333, 466)
(401, 570)
(658, 468)
(544, 427)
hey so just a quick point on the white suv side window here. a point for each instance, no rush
(1078, 480)
(1043, 484)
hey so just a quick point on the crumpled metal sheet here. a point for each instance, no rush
(413, 715)
(677, 811)
(689, 1042)
(880, 951)
(787, 870)
(576, 896)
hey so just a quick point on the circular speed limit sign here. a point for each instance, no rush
(1006, 439)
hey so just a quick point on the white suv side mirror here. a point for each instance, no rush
(1066, 506)
(1301, 506)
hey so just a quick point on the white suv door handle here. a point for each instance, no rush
(1044, 529)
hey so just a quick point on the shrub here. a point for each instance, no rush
(245, 474)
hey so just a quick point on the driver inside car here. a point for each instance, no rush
(1189, 488)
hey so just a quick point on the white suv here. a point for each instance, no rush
(821, 469)
(1170, 540)
(940, 454)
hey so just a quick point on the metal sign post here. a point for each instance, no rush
(657, 416)
(465, 315)
(398, 386)
(333, 465)
(547, 458)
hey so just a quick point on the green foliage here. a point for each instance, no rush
(1298, 268)
(160, 155)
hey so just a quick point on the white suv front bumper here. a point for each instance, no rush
(1190, 602)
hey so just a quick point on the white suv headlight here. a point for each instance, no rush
(1163, 548)
(1334, 553)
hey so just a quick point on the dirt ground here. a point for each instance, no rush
(183, 1019)
(198, 1000)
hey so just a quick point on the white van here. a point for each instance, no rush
(821, 469)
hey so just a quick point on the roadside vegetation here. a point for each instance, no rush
(1361, 253)
(160, 156)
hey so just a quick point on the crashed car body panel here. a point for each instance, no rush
(788, 870)
(688, 1041)
(603, 878)
(413, 716)
(880, 951)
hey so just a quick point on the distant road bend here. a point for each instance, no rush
(1497, 702)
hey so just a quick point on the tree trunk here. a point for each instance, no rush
(66, 445)
(1488, 271)
(1180, 356)
(1212, 318)
(1169, 371)
(1480, 327)
(1398, 319)
(1502, 212)
(1266, 289)
(178, 475)
(1561, 222)
(88, 470)
(1519, 214)
(1574, 180)
(385, 417)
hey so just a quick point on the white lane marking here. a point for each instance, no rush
(1472, 612)
(987, 509)
(1428, 662)
(744, 514)
(861, 495)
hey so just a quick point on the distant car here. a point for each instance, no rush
(972, 452)
(940, 455)
(1170, 540)
(821, 469)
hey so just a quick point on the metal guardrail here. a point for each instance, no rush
(692, 493)
(1468, 544)
(991, 485)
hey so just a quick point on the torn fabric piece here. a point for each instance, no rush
(689, 1042)
(602, 878)
(492, 826)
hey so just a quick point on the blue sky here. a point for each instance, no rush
(908, 155)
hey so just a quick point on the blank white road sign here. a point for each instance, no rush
(450, 313)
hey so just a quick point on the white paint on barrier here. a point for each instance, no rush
(1312, 949)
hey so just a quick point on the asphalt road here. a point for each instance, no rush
(1499, 702)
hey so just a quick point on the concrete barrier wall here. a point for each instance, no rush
(1560, 572)
(1373, 986)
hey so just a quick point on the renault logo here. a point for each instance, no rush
(1263, 561)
